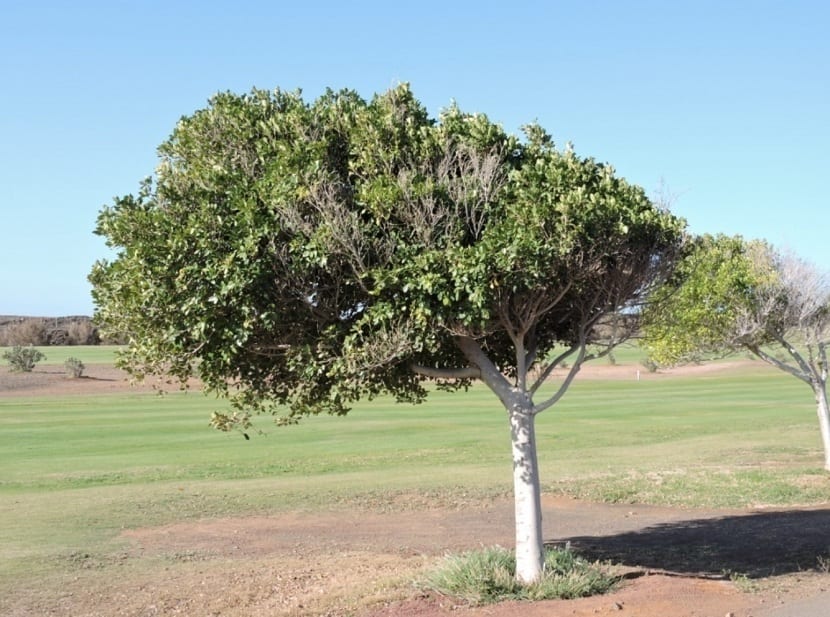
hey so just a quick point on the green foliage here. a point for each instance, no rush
(22, 359)
(697, 312)
(729, 294)
(74, 367)
(310, 254)
(489, 575)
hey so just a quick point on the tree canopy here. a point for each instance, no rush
(298, 256)
(730, 294)
(312, 254)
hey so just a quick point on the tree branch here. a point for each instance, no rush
(805, 377)
(566, 383)
(521, 367)
(468, 372)
(490, 375)
(803, 364)
(530, 356)
(549, 368)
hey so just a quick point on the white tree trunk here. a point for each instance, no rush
(823, 420)
(528, 503)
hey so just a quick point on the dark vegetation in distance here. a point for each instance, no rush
(41, 331)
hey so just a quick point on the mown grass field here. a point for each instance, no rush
(88, 354)
(76, 470)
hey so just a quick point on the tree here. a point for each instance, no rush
(298, 257)
(729, 294)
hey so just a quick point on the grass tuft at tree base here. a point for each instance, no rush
(488, 575)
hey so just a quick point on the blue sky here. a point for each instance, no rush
(726, 102)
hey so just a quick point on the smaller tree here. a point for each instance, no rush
(23, 359)
(729, 294)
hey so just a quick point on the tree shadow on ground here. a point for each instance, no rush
(754, 545)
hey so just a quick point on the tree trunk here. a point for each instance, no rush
(820, 389)
(528, 503)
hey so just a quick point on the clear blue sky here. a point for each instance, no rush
(727, 102)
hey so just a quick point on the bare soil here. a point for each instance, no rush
(51, 380)
(675, 562)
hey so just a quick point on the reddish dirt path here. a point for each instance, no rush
(695, 546)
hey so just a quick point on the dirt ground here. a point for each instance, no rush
(51, 380)
(677, 562)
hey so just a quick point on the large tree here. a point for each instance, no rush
(729, 294)
(300, 256)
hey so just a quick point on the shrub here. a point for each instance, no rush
(489, 575)
(74, 367)
(23, 359)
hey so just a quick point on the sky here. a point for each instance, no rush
(724, 103)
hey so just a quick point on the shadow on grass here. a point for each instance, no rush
(63, 374)
(753, 545)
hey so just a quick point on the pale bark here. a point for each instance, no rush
(811, 372)
(823, 420)
(526, 488)
(527, 494)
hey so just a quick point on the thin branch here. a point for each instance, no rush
(468, 372)
(549, 369)
(803, 365)
(512, 330)
(565, 384)
(521, 367)
(805, 377)
(549, 306)
(530, 356)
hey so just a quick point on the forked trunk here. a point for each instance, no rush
(823, 420)
(528, 503)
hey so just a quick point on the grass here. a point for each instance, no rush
(488, 575)
(75, 471)
(88, 354)
(743, 437)
(660, 433)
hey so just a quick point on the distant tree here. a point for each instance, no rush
(22, 359)
(82, 332)
(27, 331)
(729, 294)
(298, 257)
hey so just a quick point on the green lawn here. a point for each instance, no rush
(88, 354)
(75, 471)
